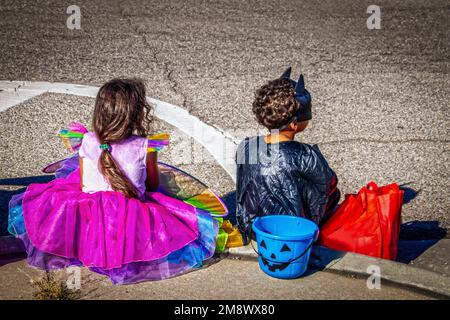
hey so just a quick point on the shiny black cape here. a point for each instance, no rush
(290, 178)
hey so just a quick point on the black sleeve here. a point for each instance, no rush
(242, 218)
(322, 183)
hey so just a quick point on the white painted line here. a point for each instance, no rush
(11, 93)
(15, 92)
(222, 148)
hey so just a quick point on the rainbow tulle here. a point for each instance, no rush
(52, 219)
(73, 136)
(126, 239)
(157, 142)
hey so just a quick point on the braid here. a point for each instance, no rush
(120, 110)
(116, 178)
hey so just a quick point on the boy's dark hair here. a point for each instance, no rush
(275, 104)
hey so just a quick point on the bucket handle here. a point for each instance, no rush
(316, 236)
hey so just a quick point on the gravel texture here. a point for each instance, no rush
(380, 97)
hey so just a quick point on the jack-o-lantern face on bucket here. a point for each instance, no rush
(273, 266)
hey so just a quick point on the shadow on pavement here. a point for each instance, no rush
(409, 193)
(230, 200)
(10, 247)
(416, 237)
(6, 195)
(322, 258)
(422, 230)
(12, 257)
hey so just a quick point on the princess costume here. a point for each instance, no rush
(160, 235)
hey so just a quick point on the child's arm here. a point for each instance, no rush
(152, 181)
(81, 172)
(317, 200)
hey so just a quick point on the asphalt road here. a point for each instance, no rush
(380, 97)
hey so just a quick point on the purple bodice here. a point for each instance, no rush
(130, 155)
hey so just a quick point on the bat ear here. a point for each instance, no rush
(286, 74)
(300, 87)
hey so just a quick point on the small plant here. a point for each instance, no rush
(49, 288)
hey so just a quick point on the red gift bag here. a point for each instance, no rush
(366, 223)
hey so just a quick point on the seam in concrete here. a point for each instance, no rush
(351, 263)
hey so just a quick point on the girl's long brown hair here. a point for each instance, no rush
(121, 110)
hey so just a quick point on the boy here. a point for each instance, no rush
(275, 173)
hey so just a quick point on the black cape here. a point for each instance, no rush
(289, 178)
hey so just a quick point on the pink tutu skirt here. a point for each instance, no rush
(128, 240)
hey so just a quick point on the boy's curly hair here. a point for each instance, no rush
(275, 104)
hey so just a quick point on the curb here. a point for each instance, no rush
(329, 260)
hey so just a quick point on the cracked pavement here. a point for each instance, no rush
(380, 97)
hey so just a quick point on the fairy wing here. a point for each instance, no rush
(176, 183)
(173, 181)
(181, 185)
(73, 136)
(157, 142)
(54, 166)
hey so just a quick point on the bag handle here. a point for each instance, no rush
(372, 186)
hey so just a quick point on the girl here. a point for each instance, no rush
(275, 173)
(104, 215)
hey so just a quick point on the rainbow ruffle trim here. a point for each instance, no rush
(157, 142)
(73, 136)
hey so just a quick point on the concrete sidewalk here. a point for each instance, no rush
(346, 269)
(435, 259)
(398, 274)
(221, 279)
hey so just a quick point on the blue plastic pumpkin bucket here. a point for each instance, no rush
(284, 244)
